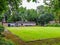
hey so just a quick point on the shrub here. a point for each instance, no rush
(53, 25)
(45, 18)
(4, 41)
(1, 28)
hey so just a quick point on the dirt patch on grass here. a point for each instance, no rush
(52, 41)
(13, 37)
(18, 41)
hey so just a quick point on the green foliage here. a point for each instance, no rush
(3, 41)
(1, 17)
(14, 18)
(53, 25)
(32, 0)
(14, 4)
(55, 5)
(1, 28)
(45, 18)
(3, 6)
(22, 13)
(28, 0)
(31, 15)
(18, 16)
(9, 20)
(44, 14)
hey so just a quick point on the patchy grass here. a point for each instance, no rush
(35, 33)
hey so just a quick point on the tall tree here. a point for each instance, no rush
(3, 8)
(55, 4)
(6, 5)
(31, 15)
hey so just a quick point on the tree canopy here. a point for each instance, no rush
(12, 12)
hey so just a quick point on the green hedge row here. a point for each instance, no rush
(53, 25)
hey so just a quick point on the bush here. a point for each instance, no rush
(1, 28)
(9, 42)
(4, 41)
(53, 25)
(45, 18)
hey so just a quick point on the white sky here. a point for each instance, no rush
(31, 5)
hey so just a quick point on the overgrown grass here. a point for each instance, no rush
(35, 33)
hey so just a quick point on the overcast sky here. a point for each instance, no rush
(31, 4)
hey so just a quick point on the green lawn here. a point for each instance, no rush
(35, 33)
